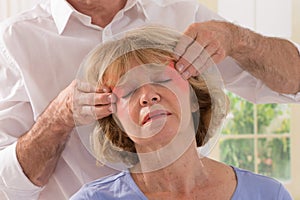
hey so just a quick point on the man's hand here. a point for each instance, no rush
(273, 60)
(203, 45)
(78, 104)
(85, 103)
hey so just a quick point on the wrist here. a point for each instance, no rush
(59, 119)
(245, 42)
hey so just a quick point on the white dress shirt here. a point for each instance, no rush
(40, 53)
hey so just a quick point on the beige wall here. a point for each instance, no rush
(293, 187)
(12, 7)
(212, 4)
(296, 21)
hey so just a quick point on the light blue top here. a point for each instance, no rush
(250, 186)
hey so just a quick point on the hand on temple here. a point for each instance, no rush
(275, 61)
(78, 104)
(203, 45)
(87, 103)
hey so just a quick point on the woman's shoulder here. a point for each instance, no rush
(109, 187)
(256, 186)
(108, 181)
(95, 189)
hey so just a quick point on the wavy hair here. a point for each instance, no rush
(112, 59)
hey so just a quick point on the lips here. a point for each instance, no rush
(154, 115)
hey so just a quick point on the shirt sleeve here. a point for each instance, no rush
(14, 184)
(240, 81)
(16, 117)
(284, 194)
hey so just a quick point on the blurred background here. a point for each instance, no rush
(261, 138)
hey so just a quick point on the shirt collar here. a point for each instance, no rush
(62, 11)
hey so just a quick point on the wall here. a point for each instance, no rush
(11, 7)
(296, 21)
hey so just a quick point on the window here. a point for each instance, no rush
(263, 139)
(257, 137)
(267, 140)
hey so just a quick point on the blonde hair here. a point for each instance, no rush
(110, 60)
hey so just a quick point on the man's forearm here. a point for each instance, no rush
(40, 148)
(273, 60)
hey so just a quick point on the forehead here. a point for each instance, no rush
(148, 73)
(125, 63)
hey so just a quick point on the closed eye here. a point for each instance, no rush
(163, 80)
(127, 94)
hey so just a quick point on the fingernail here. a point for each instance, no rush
(112, 98)
(109, 98)
(179, 67)
(185, 75)
(105, 89)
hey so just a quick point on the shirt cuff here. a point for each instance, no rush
(13, 181)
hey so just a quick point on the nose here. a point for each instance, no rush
(149, 96)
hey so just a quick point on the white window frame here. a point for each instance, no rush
(294, 135)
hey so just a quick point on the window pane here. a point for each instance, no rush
(240, 118)
(274, 157)
(238, 152)
(273, 118)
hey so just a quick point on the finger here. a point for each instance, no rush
(85, 86)
(189, 72)
(95, 112)
(184, 42)
(85, 99)
(203, 61)
(95, 99)
(211, 48)
(185, 64)
(104, 111)
(105, 98)
(190, 55)
(201, 64)
(103, 88)
(84, 115)
(88, 114)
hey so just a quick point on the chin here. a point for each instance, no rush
(157, 141)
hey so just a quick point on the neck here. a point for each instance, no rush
(182, 176)
(102, 12)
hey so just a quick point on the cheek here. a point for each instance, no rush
(122, 110)
(180, 90)
(183, 86)
(126, 111)
(180, 98)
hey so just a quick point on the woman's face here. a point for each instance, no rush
(151, 101)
